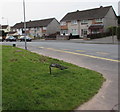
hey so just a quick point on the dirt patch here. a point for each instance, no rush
(43, 59)
(13, 60)
(18, 51)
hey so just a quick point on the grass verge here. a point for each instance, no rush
(28, 85)
(0, 78)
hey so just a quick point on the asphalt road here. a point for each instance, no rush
(102, 58)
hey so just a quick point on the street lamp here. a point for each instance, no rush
(8, 28)
(6, 19)
(24, 24)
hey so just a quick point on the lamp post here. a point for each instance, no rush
(24, 24)
(8, 28)
(6, 19)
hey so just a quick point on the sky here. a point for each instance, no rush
(11, 11)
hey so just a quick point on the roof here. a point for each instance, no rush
(32, 24)
(87, 14)
(4, 26)
(12, 32)
(96, 26)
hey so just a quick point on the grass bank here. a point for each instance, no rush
(0, 78)
(28, 85)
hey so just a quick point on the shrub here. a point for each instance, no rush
(98, 35)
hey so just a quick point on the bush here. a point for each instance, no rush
(98, 35)
(118, 33)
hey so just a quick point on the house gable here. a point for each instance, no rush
(53, 27)
(110, 19)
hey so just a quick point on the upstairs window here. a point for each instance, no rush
(74, 22)
(99, 20)
(63, 23)
(44, 28)
(84, 22)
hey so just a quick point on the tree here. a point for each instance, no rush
(2, 33)
(118, 33)
(118, 20)
(112, 30)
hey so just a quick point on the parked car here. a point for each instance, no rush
(10, 38)
(28, 39)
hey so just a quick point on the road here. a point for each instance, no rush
(102, 58)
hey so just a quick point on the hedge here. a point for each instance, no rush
(110, 31)
(98, 35)
(74, 37)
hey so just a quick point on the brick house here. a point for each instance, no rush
(89, 21)
(38, 28)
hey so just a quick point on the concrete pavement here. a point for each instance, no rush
(106, 40)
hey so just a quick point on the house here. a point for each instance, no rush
(4, 31)
(5, 28)
(90, 21)
(38, 28)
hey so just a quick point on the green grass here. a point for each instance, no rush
(28, 85)
(0, 78)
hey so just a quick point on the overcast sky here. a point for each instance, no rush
(12, 10)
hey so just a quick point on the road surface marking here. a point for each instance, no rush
(65, 49)
(102, 53)
(79, 50)
(84, 55)
(41, 47)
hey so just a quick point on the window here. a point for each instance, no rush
(99, 20)
(63, 23)
(83, 32)
(44, 28)
(74, 32)
(74, 22)
(95, 31)
(64, 32)
(37, 29)
(84, 22)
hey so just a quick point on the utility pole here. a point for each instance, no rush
(24, 24)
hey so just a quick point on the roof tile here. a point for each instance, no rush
(87, 14)
(32, 24)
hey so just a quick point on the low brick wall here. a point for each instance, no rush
(50, 38)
